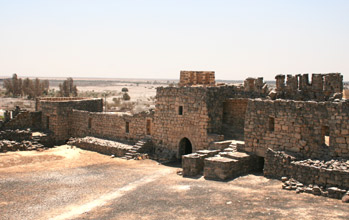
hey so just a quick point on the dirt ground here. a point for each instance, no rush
(69, 183)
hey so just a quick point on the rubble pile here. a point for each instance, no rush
(7, 145)
(338, 164)
(13, 140)
(15, 135)
(331, 192)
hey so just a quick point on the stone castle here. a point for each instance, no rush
(221, 130)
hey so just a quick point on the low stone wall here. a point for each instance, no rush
(101, 146)
(332, 192)
(332, 173)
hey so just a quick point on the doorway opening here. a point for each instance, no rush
(185, 147)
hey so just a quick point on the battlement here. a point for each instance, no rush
(255, 85)
(191, 78)
(322, 86)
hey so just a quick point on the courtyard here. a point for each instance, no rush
(69, 183)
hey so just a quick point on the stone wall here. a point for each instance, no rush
(23, 120)
(190, 78)
(255, 85)
(55, 113)
(234, 118)
(322, 86)
(313, 129)
(195, 113)
(110, 125)
(323, 173)
(180, 113)
(215, 98)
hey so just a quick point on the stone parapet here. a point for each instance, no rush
(322, 86)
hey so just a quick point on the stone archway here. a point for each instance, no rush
(185, 147)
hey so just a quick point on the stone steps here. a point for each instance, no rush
(109, 147)
(137, 152)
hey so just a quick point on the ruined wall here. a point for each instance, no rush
(189, 78)
(323, 173)
(297, 126)
(23, 120)
(322, 86)
(55, 113)
(234, 118)
(255, 85)
(110, 125)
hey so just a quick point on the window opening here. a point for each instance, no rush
(325, 133)
(271, 124)
(127, 127)
(89, 122)
(180, 110)
(148, 126)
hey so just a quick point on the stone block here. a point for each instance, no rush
(218, 168)
(193, 164)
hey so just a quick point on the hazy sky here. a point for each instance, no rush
(157, 39)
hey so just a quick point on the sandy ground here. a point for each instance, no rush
(69, 183)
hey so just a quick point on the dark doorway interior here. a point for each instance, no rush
(185, 147)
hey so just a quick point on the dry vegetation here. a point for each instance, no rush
(141, 92)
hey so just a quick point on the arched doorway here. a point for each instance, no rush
(184, 147)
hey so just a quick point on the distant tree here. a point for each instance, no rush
(46, 86)
(68, 88)
(124, 89)
(126, 97)
(13, 86)
(27, 87)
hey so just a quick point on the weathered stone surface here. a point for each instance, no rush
(192, 78)
(218, 168)
(323, 86)
(208, 153)
(332, 174)
(298, 126)
(102, 146)
(193, 164)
